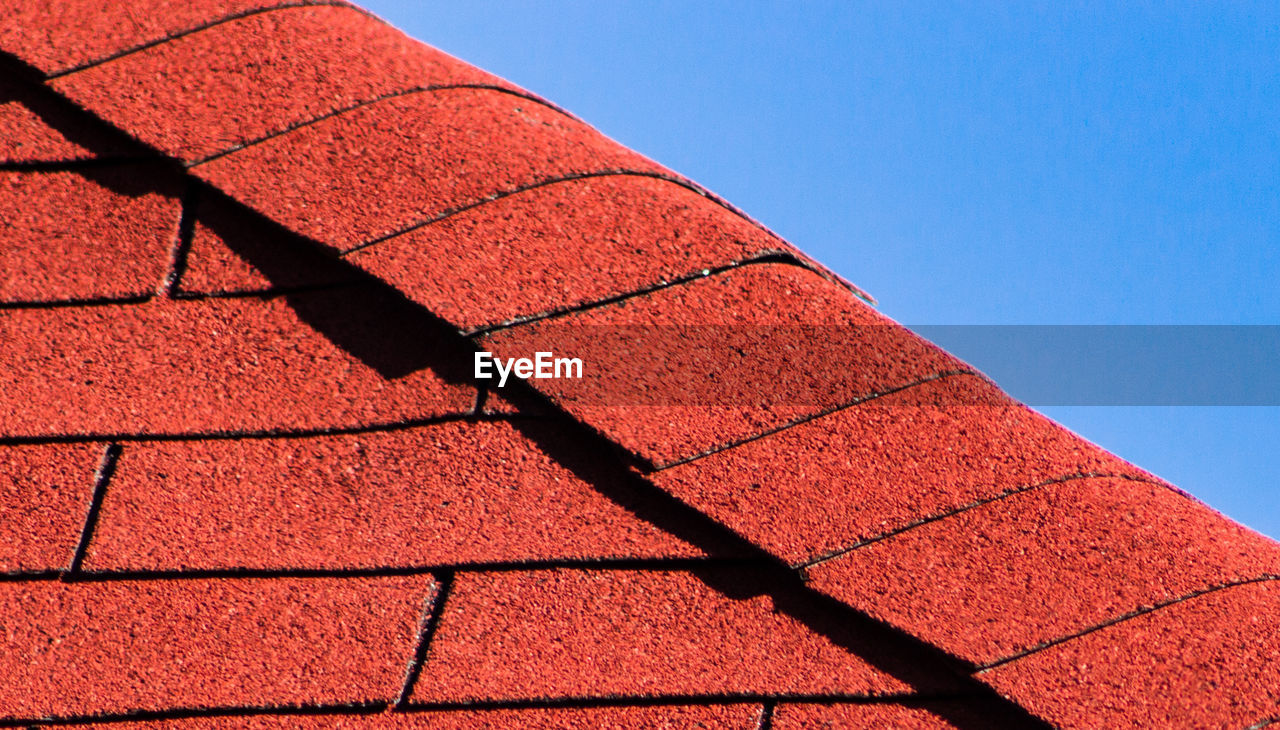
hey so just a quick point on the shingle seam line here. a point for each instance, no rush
(770, 564)
(430, 88)
(683, 182)
(101, 478)
(621, 564)
(266, 293)
(725, 698)
(87, 302)
(432, 614)
(188, 713)
(675, 179)
(427, 708)
(283, 433)
(326, 432)
(482, 398)
(813, 417)
(766, 715)
(1265, 578)
(181, 296)
(1005, 494)
(606, 172)
(206, 25)
(703, 192)
(171, 284)
(784, 258)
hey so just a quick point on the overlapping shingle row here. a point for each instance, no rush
(236, 389)
(88, 648)
(227, 508)
(224, 503)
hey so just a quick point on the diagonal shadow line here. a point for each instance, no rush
(22, 83)
(82, 126)
(73, 122)
(392, 324)
(377, 324)
(116, 161)
(887, 649)
(368, 318)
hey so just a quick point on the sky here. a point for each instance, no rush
(984, 164)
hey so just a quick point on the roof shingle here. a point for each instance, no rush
(247, 477)
(104, 233)
(160, 645)
(445, 494)
(293, 64)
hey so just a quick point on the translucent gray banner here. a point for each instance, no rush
(825, 365)
(1122, 365)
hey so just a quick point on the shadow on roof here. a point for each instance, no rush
(375, 323)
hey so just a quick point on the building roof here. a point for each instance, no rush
(247, 478)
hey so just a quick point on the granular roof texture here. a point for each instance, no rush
(248, 254)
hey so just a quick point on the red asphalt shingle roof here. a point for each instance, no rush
(247, 253)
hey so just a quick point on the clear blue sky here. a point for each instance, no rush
(977, 164)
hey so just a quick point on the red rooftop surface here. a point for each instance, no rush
(249, 252)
